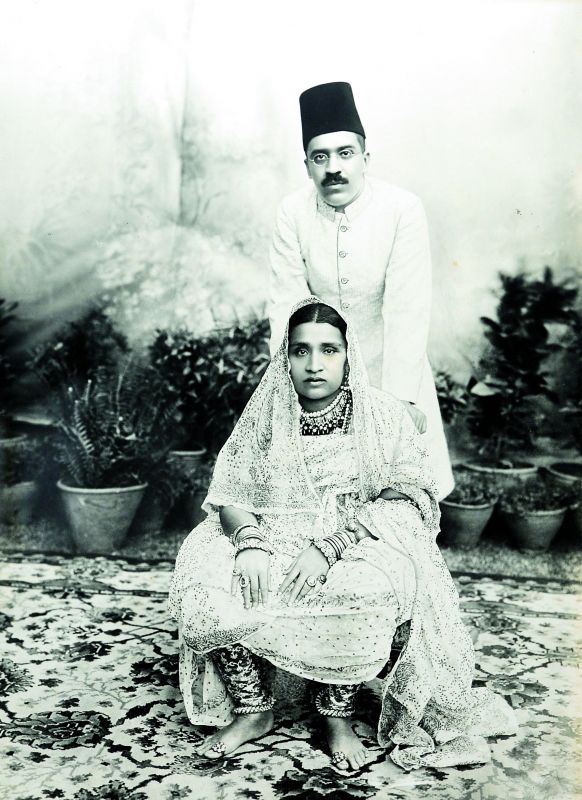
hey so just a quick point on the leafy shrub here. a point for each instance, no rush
(501, 412)
(79, 349)
(472, 489)
(13, 366)
(537, 494)
(21, 463)
(210, 378)
(452, 396)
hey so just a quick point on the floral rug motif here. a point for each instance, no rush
(90, 707)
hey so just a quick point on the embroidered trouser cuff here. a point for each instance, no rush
(337, 701)
(243, 677)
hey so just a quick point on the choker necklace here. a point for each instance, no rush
(335, 416)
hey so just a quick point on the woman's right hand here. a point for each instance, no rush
(254, 566)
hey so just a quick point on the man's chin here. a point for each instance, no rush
(336, 198)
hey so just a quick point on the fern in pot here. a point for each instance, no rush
(467, 509)
(534, 510)
(112, 433)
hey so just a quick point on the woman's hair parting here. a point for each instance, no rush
(318, 312)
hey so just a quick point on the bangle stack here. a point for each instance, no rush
(253, 543)
(236, 534)
(253, 539)
(333, 546)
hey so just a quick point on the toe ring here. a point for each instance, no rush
(219, 748)
(338, 757)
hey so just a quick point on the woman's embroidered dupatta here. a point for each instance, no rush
(261, 468)
(428, 708)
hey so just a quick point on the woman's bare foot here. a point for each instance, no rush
(342, 739)
(243, 728)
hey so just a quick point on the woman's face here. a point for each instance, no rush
(317, 357)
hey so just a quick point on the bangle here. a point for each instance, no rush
(253, 544)
(254, 535)
(239, 528)
(326, 550)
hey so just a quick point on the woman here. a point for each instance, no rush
(319, 543)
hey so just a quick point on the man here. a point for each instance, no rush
(361, 245)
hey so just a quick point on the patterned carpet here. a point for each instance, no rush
(89, 705)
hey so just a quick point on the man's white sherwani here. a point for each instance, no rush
(372, 261)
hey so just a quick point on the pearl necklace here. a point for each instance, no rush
(335, 416)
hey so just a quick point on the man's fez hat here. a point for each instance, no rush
(327, 108)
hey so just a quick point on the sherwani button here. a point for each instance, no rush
(345, 305)
(343, 228)
(342, 254)
(345, 280)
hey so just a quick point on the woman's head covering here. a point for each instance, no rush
(327, 108)
(261, 467)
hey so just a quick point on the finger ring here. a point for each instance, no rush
(321, 578)
(236, 571)
(244, 581)
(311, 581)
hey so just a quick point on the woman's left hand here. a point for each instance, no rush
(304, 574)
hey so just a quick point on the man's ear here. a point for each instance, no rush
(367, 158)
(306, 162)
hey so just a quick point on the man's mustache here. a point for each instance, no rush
(334, 179)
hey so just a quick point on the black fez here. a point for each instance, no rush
(327, 108)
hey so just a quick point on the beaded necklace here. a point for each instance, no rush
(335, 416)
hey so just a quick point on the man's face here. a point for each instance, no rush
(336, 164)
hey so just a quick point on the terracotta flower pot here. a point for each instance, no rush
(503, 477)
(534, 530)
(189, 505)
(100, 518)
(193, 503)
(569, 473)
(17, 503)
(462, 525)
(150, 515)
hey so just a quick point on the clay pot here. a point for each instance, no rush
(462, 525)
(534, 530)
(503, 477)
(189, 504)
(569, 473)
(17, 503)
(100, 518)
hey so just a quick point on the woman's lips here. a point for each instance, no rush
(315, 380)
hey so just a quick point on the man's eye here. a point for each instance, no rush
(319, 158)
(346, 154)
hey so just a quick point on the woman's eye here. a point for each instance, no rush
(300, 351)
(330, 351)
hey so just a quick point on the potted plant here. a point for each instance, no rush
(12, 373)
(18, 484)
(504, 412)
(78, 349)
(111, 435)
(534, 510)
(570, 471)
(452, 396)
(168, 483)
(467, 509)
(210, 379)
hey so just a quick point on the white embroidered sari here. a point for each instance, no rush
(341, 632)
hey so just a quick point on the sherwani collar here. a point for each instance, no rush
(352, 211)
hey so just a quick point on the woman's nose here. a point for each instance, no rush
(314, 363)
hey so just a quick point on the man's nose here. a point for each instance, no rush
(334, 161)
